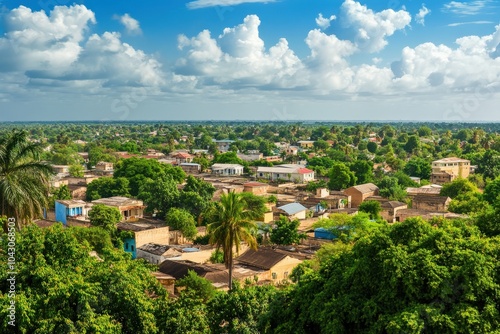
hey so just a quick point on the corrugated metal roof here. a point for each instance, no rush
(262, 258)
(292, 208)
(179, 269)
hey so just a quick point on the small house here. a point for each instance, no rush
(293, 211)
(60, 169)
(360, 192)
(183, 157)
(190, 167)
(143, 233)
(256, 188)
(76, 209)
(156, 253)
(104, 166)
(431, 203)
(276, 266)
(227, 169)
(131, 209)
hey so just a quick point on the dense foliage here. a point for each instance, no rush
(61, 288)
(412, 278)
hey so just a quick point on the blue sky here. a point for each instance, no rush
(250, 59)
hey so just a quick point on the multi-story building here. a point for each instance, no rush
(131, 209)
(448, 169)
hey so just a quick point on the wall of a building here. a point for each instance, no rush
(60, 210)
(159, 236)
(129, 246)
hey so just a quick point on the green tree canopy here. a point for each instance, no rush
(228, 158)
(371, 147)
(489, 164)
(60, 193)
(62, 288)
(105, 217)
(76, 170)
(372, 208)
(390, 188)
(418, 167)
(105, 187)
(285, 232)
(204, 189)
(363, 170)
(458, 187)
(159, 195)
(138, 170)
(414, 278)
(341, 177)
(492, 191)
(200, 286)
(24, 180)
(182, 220)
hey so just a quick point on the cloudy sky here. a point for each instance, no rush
(250, 60)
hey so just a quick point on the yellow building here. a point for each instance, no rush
(448, 169)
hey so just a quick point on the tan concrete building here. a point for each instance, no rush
(389, 208)
(448, 169)
(143, 233)
(275, 265)
(431, 203)
(360, 192)
(190, 167)
(131, 209)
(256, 188)
(104, 166)
(306, 143)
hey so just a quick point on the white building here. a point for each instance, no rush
(156, 253)
(288, 172)
(227, 169)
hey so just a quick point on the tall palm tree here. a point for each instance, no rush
(24, 180)
(233, 223)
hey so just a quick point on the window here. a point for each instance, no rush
(285, 274)
(132, 248)
(126, 246)
(275, 276)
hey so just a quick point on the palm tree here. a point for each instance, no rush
(24, 180)
(233, 223)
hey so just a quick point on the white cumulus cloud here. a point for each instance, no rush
(131, 25)
(471, 64)
(372, 28)
(54, 49)
(238, 58)
(422, 13)
(324, 22)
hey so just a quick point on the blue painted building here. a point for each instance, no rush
(129, 246)
(144, 232)
(70, 208)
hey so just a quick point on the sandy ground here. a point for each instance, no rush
(306, 224)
